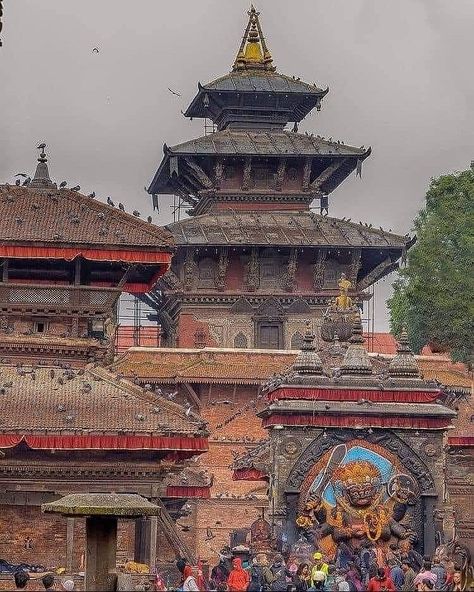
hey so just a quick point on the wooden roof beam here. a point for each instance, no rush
(199, 173)
(375, 274)
(192, 393)
(326, 174)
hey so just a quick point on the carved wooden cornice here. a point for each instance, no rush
(78, 472)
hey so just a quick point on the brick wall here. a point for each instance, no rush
(187, 329)
(232, 509)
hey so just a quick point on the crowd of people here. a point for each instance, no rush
(262, 575)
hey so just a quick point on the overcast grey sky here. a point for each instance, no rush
(399, 72)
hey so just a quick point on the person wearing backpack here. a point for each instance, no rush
(260, 575)
(279, 574)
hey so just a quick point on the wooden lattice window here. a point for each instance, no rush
(200, 338)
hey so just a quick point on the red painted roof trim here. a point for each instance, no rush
(351, 421)
(109, 442)
(385, 396)
(70, 253)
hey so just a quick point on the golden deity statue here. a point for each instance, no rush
(344, 301)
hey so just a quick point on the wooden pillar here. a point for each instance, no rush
(77, 271)
(153, 540)
(101, 549)
(142, 540)
(146, 532)
(69, 545)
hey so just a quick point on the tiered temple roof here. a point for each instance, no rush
(251, 107)
(254, 77)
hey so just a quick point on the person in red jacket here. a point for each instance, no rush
(381, 583)
(238, 579)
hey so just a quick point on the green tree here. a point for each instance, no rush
(434, 294)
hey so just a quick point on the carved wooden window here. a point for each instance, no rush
(270, 335)
(331, 274)
(200, 338)
(40, 327)
(296, 340)
(262, 176)
(240, 340)
(269, 269)
(207, 272)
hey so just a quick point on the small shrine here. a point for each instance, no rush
(356, 450)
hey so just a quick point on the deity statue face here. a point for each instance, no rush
(359, 483)
(360, 495)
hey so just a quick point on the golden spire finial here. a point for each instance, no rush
(253, 51)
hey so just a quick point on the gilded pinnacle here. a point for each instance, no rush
(253, 52)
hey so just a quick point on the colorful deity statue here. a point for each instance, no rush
(355, 502)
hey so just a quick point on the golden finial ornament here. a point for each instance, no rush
(253, 52)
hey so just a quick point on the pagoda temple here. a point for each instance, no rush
(68, 423)
(253, 260)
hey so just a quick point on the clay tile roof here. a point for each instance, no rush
(65, 216)
(279, 228)
(217, 365)
(250, 366)
(446, 372)
(91, 400)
